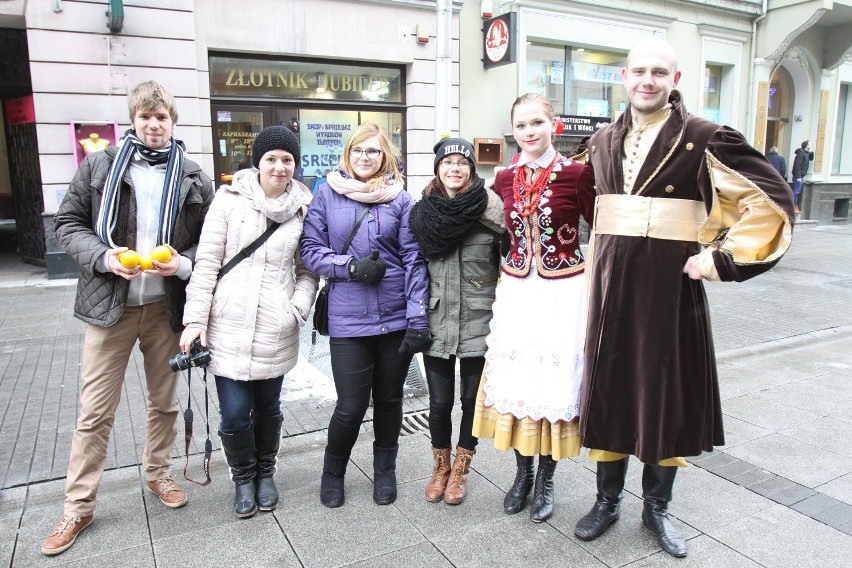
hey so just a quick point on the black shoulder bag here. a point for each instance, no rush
(321, 305)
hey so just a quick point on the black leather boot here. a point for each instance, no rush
(267, 440)
(384, 474)
(331, 486)
(241, 456)
(541, 507)
(657, 482)
(516, 497)
(606, 509)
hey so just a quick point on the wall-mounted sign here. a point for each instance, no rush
(500, 40)
(245, 77)
(20, 111)
(582, 125)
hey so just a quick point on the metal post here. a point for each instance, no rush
(443, 68)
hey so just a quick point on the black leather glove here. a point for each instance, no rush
(368, 270)
(415, 341)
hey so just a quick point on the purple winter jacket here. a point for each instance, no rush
(356, 309)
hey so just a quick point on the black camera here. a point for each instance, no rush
(198, 356)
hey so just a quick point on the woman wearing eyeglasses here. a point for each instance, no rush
(377, 303)
(458, 224)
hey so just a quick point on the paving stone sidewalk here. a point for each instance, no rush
(778, 494)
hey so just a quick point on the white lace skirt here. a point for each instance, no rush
(535, 347)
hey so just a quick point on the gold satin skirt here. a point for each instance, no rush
(530, 437)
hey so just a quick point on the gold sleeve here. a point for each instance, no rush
(744, 221)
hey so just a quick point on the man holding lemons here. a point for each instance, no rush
(131, 219)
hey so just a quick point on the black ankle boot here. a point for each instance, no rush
(267, 439)
(606, 509)
(384, 474)
(331, 486)
(241, 457)
(516, 497)
(657, 483)
(541, 507)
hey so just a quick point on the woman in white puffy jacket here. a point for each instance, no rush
(250, 318)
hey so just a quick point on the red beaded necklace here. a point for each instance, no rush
(528, 194)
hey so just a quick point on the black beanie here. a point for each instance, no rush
(448, 146)
(275, 138)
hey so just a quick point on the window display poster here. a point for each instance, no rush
(557, 72)
(536, 77)
(323, 134)
(593, 107)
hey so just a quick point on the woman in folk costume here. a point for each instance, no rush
(529, 397)
(458, 224)
(250, 317)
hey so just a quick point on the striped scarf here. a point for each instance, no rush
(172, 155)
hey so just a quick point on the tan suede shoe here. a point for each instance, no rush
(64, 534)
(169, 492)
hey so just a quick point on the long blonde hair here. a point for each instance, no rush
(390, 154)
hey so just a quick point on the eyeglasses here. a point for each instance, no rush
(358, 152)
(464, 164)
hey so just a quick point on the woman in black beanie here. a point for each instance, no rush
(458, 224)
(249, 317)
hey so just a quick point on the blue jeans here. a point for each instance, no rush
(239, 399)
(798, 183)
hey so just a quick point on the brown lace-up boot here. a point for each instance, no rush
(440, 475)
(457, 486)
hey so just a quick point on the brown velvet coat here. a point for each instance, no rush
(651, 385)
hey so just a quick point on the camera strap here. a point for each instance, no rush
(188, 429)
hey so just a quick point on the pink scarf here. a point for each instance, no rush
(361, 191)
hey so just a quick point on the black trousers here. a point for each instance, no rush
(362, 365)
(441, 379)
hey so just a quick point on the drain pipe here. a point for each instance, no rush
(753, 51)
(443, 68)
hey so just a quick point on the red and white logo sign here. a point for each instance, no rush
(497, 40)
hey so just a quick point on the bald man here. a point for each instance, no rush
(680, 200)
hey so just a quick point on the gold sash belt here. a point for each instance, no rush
(655, 217)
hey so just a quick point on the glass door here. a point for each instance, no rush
(234, 131)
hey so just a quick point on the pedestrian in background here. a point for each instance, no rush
(801, 163)
(458, 224)
(778, 162)
(250, 318)
(138, 194)
(376, 306)
(529, 398)
(651, 387)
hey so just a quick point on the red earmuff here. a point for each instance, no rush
(559, 127)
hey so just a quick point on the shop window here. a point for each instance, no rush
(712, 92)
(321, 102)
(578, 81)
(842, 162)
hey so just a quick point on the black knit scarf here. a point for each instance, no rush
(440, 222)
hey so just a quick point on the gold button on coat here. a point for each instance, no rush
(689, 146)
(669, 189)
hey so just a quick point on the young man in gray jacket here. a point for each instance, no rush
(138, 195)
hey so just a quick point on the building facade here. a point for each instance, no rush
(320, 67)
(777, 70)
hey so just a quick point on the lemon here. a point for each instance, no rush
(145, 263)
(161, 254)
(129, 259)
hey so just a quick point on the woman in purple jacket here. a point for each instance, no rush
(377, 303)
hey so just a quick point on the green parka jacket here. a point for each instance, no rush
(462, 285)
